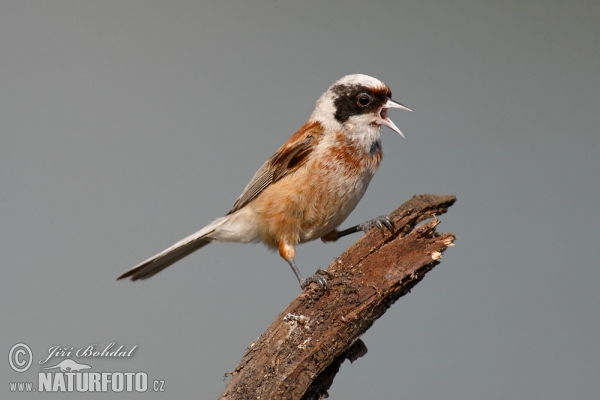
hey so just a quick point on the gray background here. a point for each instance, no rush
(126, 125)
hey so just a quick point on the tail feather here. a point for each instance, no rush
(179, 250)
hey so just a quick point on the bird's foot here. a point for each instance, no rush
(380, 222)
(318, 278)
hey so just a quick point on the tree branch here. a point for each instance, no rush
(300, 353)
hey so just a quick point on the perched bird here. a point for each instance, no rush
(309, 186)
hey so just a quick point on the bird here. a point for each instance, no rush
(309, 186)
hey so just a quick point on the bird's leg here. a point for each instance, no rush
(380, 222)
(288, 252)
(317, 278)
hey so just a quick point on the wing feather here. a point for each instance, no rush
(294, 153)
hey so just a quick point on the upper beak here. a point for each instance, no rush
(386, 120)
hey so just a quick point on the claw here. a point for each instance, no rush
(380, 222)
(322, 271)
(317, 278)
(388, 223)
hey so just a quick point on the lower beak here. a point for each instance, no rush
(385, 120)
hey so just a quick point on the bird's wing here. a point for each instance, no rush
(286, 160)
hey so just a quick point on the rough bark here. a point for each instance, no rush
(300, 353)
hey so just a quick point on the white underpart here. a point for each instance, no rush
(236, 227)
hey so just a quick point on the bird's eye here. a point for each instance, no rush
(364, 99)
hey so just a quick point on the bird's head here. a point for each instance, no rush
(355, 102)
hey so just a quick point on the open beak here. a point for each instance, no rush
(385, 120)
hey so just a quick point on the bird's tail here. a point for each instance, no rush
(184, 247)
